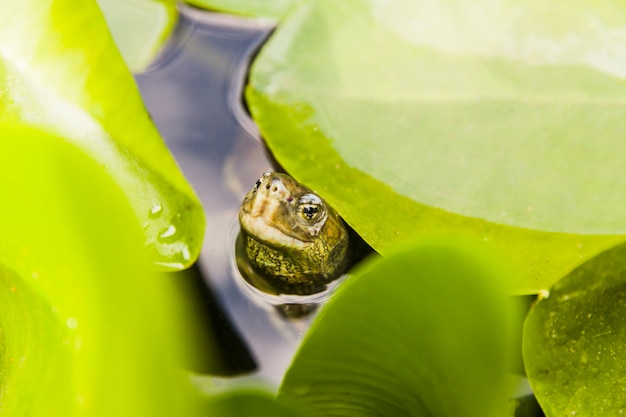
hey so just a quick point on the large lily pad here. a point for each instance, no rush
(423, 332)
(426, 117)
(575, 341)
(61, 71)
(140, 28)
(83, 324)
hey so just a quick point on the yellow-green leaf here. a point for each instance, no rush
(140, 28)
(501, 122)
(86, 329)
(423, 332)
(575, 340)
(60, 71)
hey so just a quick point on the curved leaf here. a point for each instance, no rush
(425, 331)
(273, 9)
(83, 324)
(139, 27)
(78, 88)
(34, 350)
(575, 340)
(247, 403)
(420, 118)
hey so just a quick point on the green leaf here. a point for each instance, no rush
(139, 27)
(61, 72)
(273, 9)
(415, 118)
(86, 329)
(247, 403)
(425, 331)
(575, 340)
(32, 351)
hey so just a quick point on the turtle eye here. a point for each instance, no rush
(310, 208)
(308, 212)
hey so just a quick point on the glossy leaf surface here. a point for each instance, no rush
(422, 332)
(575, 340)
(415, 118)
(61, 72)
(140, 28)
(86, 329)
(247, 403)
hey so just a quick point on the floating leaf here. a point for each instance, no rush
(139, 27)
(575, 340)
(85, 327)
(273, 9)
(497, 122)
(61, 72)
(425, 331)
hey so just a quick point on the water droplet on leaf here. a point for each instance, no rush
(156, 210)
(169, 232)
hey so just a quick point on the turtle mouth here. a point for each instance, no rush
(274, 223)
(269, 214)
(267, 233)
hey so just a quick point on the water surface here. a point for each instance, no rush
(193, 92)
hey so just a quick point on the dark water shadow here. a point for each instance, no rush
(218, 346)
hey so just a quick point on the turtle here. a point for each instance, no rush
(292, 236)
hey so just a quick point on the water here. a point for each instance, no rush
(193, 92)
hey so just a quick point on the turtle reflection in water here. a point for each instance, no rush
(292, 238)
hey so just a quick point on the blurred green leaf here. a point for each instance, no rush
(139, 27)
(273, 9)
(34, 351)
(86, 329)
(425, 331)
(247, 403)
(61, 72)
(414, 118)
(575, 340)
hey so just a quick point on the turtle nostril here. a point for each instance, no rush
(274, 186)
